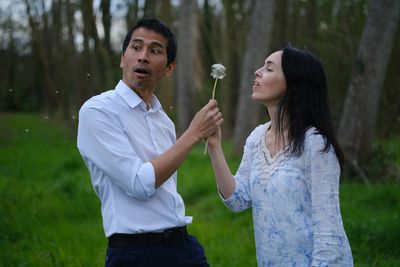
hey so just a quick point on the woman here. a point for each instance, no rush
(289, 174)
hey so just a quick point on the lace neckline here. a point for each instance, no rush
(266, 164)
(265, 149)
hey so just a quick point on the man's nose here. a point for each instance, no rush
(143, 56)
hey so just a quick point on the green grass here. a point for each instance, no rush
(50, 216)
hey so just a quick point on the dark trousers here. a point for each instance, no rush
(188, 253)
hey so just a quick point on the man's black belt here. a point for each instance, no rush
(168, 237)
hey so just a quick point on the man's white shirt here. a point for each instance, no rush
(117, 138)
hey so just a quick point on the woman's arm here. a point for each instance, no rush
(223, 176)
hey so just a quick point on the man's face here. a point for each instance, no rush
(144, 62)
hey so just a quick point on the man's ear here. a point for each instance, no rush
(170, 68)
(121, 64)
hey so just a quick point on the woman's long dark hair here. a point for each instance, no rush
(305, 101)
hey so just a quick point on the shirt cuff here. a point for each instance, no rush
(144, 186)
(228, 199)
(220, 194)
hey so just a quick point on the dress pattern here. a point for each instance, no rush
(294, 201)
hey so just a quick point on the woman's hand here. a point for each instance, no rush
(206, 121)
(214, 140)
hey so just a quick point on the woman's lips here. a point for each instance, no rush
(255, 84)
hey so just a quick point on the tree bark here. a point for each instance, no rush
(39, 41)
(106, 19)
(236, 27)
(258, 40)
(361, 105)
(166, 89)
(71, 100)
(132, 14)
(186, 68)
(101, 77)
(149, 9)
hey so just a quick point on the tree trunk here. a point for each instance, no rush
(106, 19)
(132, 14)
(149, 9)
(58, 59)
(166, 89)
(39, 41)
(186, 67)
(236, 22)
(361, 105)
(87, 80)
(258, 40)
(282, 23)
(71, 101)
(311, 24)
(101, 77)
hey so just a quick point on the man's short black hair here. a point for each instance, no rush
(157, 26)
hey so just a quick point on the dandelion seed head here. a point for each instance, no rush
(218, 71)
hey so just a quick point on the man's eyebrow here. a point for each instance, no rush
(152, 43)
(137, 40)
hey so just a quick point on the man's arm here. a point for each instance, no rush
(204, 123)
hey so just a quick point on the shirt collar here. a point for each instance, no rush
(133, 100)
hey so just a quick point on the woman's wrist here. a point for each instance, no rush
(214, 149)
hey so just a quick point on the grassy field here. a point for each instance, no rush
(50, 216)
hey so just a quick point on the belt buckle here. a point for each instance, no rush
(169, 238)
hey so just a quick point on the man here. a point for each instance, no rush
(128, 144)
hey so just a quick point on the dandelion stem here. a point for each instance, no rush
(206, 147)
(215, 86)
(212, 97)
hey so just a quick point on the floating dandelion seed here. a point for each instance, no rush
(171, 107)
(46, 117)
(88, 74)
(27, 130)
(218, 73)
(73, 117)
(57, 92)
(10, 90)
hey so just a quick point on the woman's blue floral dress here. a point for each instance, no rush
(295, 203)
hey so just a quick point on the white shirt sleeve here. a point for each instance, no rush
(324, 171)
(101, 139)
(241, 196)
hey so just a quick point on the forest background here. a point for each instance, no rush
(55, 54)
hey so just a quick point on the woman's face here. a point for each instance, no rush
(270, 85)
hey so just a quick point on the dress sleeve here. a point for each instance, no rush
(330, 242)
(103, 143)
(241, 197)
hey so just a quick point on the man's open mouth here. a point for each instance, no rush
(141, 70)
